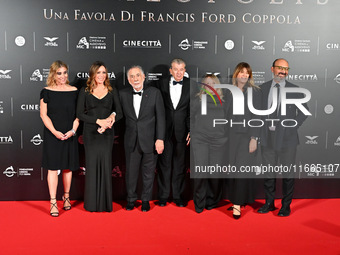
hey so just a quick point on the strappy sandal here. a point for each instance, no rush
(67, 200)
(54, 205)
(236, 217)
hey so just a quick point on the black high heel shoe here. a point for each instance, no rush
(236, 216)
(67, 200)
(54, 214)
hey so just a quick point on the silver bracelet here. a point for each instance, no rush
(74, 132)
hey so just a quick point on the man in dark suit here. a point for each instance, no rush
(145, 131)
(279, 143)
(176, 95)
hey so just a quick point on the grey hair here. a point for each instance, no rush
(177, 61)
(135, 66)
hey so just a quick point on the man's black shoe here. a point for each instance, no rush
(130, 206)
(162, 202)
(179, 203)
(266, 208)
(145, 206)
(284, 212)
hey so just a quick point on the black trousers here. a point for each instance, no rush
(171, 171)
(207, 193)
(146, 162)
(207, 187)
(272, 157)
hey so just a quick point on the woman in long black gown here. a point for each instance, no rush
(243, 141)
(60, 150)
(99, 108)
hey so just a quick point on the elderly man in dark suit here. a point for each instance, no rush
(144, 134)
(176, 95)
(279, 143)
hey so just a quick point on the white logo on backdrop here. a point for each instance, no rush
(258, 45)
(311, 139)
(51, 41)
(229, 45)
(36, 140)
(185, 44)
(20, 41)
(9, 172)
(4, 74)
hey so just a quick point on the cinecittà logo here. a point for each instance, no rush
(6, 140)
(150, 44)
(302, 77)
(332, 46)
(85, 75)
(29, 107)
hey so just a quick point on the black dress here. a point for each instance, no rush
(61, 109)
(242, 188)
(209, 148)
(98, 148)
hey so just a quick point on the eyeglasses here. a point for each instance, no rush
(282, 68)
(60, 73)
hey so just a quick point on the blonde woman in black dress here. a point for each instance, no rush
(60, 152)
(209, 144)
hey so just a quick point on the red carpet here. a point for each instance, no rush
(312, 228)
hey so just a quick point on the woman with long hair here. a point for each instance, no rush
(243, 141)
(99, 108)
(60, 150)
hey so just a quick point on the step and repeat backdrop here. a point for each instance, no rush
(211, 35)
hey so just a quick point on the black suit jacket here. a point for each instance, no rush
(285, 136)
(177, 120)
(150, 124)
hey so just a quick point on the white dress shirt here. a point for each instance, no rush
(137, 99)
(175, 92)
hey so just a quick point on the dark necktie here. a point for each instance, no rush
(137, 93)
(278, 99)
(274, 114)
(177, 82)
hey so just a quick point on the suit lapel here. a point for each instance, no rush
(185, 88)
(129, 100)
(145, 97)
(166, 84)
